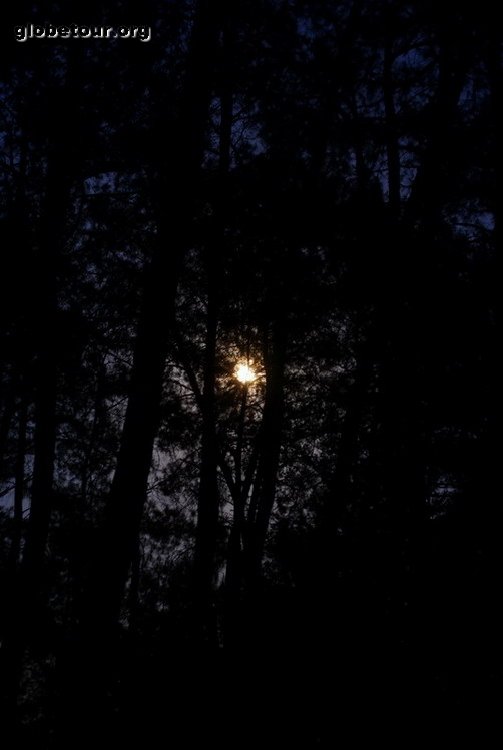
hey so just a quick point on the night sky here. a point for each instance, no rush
(248, 372)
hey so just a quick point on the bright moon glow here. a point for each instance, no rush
(244, 373)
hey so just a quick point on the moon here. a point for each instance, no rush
(244, 373)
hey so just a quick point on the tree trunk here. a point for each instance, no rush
(88, 667)
(209, 498)
(392, 147)
(19, 489)
(27, 598)
(176, 193)
(267, 471)
(495, 71)
(347, 449)
(8, 411)
(234, 569)
(433, 172)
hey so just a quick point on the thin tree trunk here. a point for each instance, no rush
(43, 468)
(496, 84)
(234, 547)
(362, 171)
(392, 147)
(208, 500)
(209, 497)
(19, 490)
(12, 648)
(8, 411)
(234, 561)
(134, 588)
(347, 449)
(267, 471)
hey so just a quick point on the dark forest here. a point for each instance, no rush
(248, 374)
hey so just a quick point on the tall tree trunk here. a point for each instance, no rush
(175, 199)
(234, 562)
(55, 209)
(347, 448)
(87, 668)
(433, 173)
(260, 514)
(209, 498)
(392, 147)
(43, 466)
(495, 71)
(23, 617)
